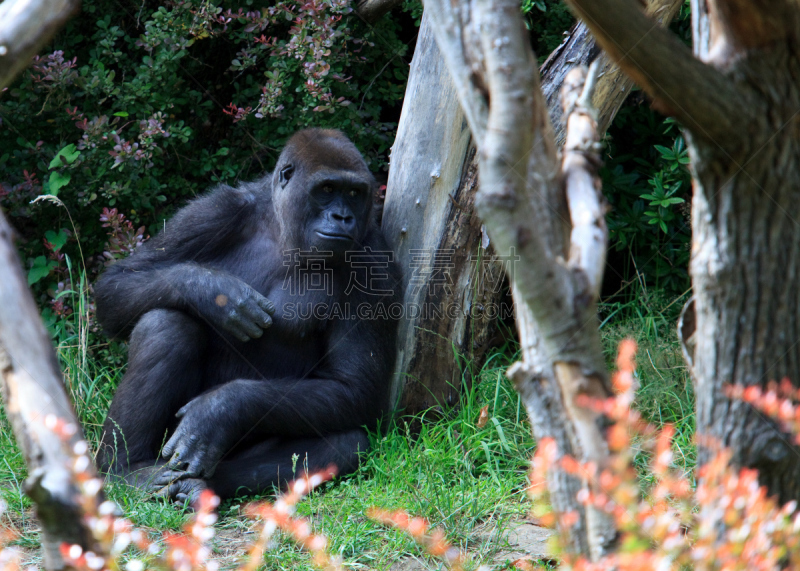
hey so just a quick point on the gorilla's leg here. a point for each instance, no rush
(166, 354)
(269, 464)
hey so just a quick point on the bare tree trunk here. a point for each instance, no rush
(745, 264)
(33, 393)
(549, 215)
(738, 101)
(459, 296)
(34, 399)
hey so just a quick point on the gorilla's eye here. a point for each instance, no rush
(327, 189)
(353, 192)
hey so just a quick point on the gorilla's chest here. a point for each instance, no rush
(297, 342)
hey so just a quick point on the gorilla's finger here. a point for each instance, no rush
(252, 330)
(187, 491)
(176, 450)
(166, 477)
(194, 468)
(171, 447)
(235, 330)
(265, 320)
(181, 412)
(162, 492)
(257, 315)
(266, 304)
(177, 463)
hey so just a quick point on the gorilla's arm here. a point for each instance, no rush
(348, 391)
(168, 272)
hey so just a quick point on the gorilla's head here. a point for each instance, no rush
(322, 192)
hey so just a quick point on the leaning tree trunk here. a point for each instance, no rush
(738, 102)
(454, 288)
(36, 403)
(34, 399)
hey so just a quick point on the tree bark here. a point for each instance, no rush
(738, 101)
(547, 213)
(745, 264)
(430, 208)
(33, 394)
(34, 398)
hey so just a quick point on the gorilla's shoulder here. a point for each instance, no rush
(224, 203)
(244, 194)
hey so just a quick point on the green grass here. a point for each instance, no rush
(467, 480)
(665, 393)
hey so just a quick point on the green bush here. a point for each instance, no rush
(646, 180)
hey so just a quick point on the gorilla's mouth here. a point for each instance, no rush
(328, 236)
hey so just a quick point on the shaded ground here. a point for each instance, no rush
(520, 540)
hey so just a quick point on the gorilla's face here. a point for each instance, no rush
(323, 194)
(338, 210)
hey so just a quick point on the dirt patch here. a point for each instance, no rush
(229, 546)
(521, 540)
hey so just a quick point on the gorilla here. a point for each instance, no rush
(260, 341)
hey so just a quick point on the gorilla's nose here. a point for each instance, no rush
(346, 221)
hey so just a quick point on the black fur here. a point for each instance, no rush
(228, 372)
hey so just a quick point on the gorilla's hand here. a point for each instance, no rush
(226, 302)
(197, 445)
(183, 491)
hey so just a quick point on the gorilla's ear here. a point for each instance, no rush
(285, 175)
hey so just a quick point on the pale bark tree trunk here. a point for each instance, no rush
(548, 213)
(34, 398)
(430, 208)
(738, 102)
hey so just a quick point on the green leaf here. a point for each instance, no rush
(41, 268)
(120, 114)
(58, 181)
(65, 156)
(667, 153)
(57, 240)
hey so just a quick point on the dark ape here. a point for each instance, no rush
(217, 370)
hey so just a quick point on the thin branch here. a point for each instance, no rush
(613, 85)
(26, 26)
(705, 101)
(581, 159)
(701, 34)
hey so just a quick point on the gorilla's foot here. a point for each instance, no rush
(184, 491)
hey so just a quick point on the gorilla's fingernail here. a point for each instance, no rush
(221, 300)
